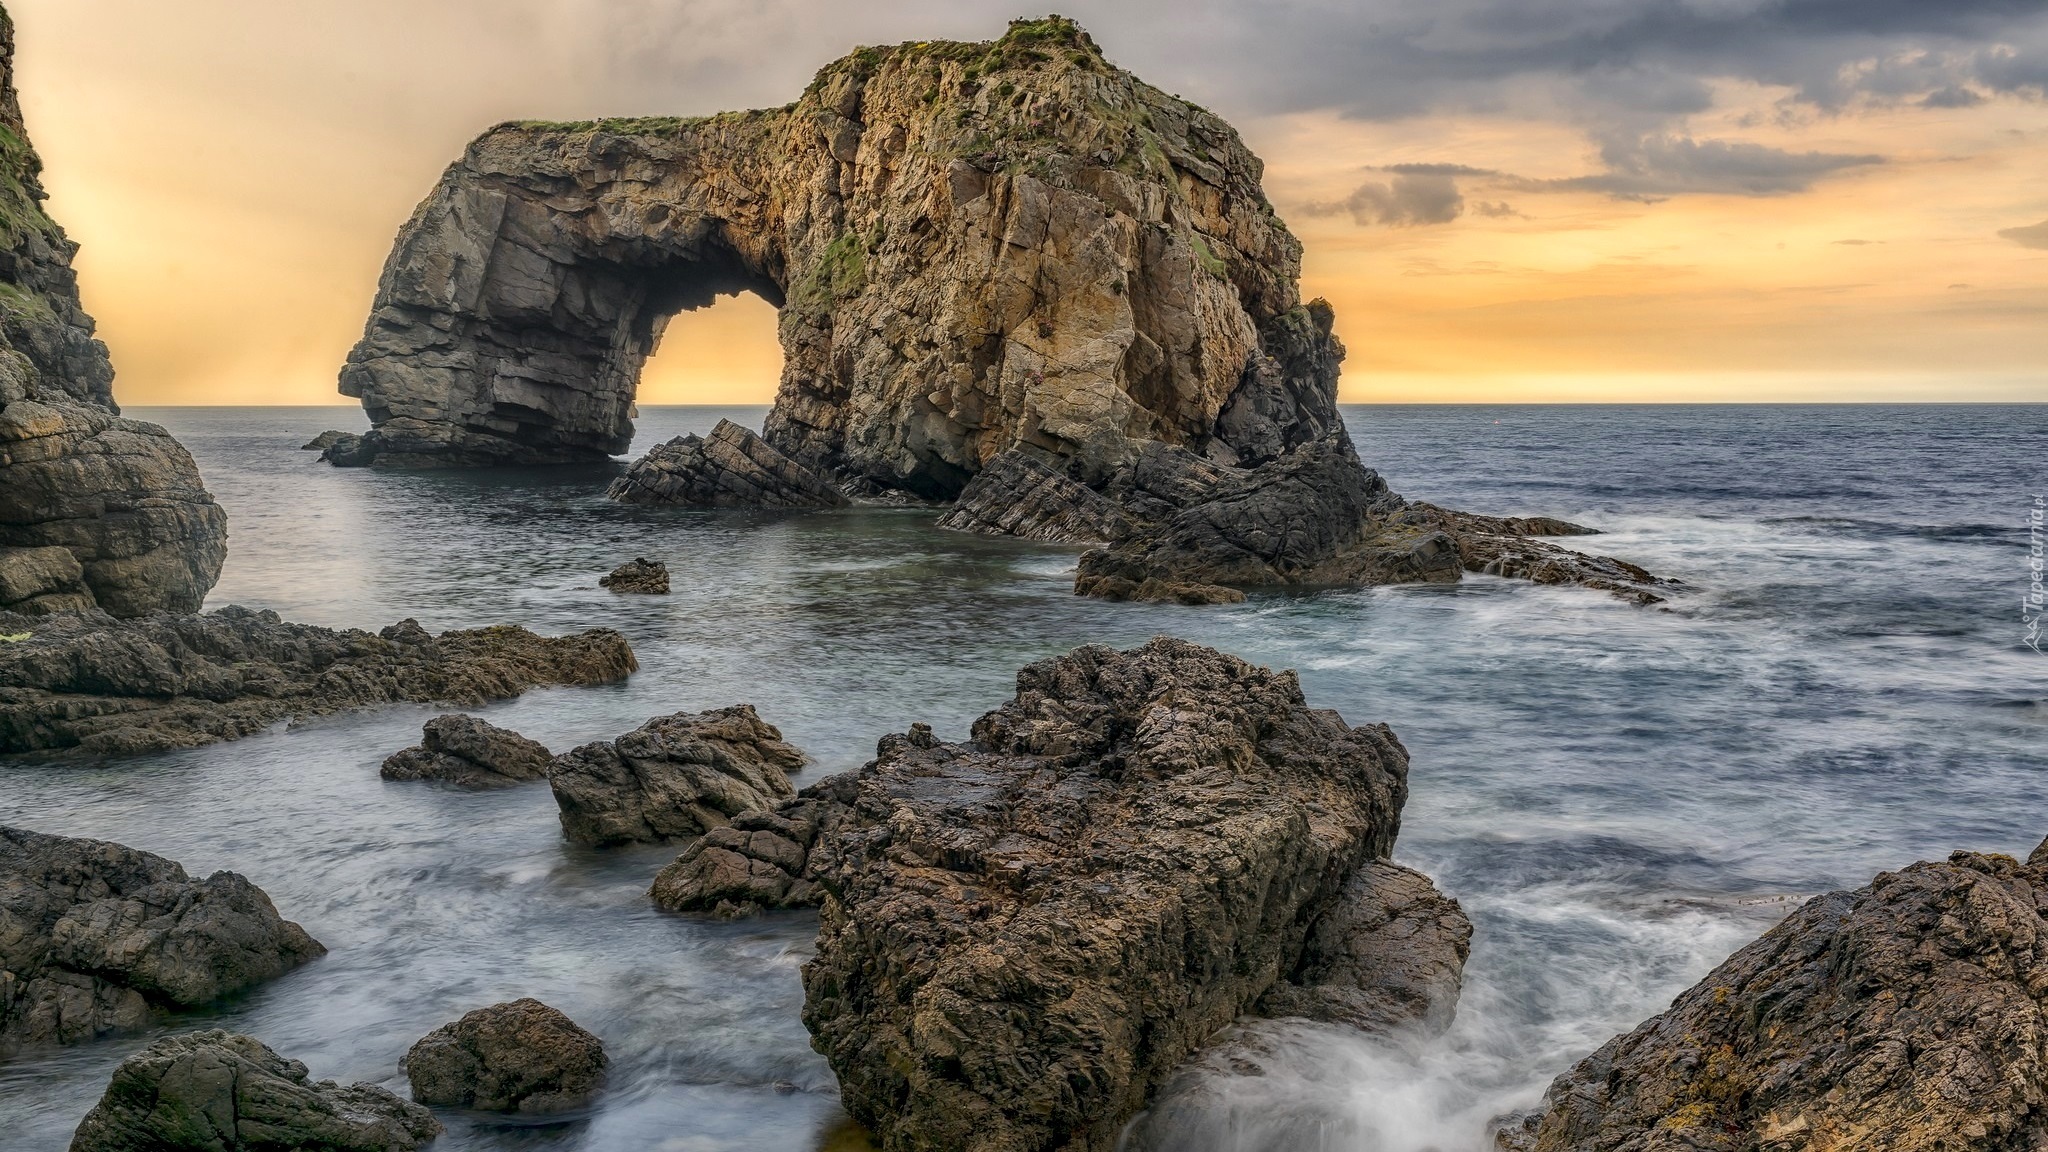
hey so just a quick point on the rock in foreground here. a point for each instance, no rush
(94, 935)
(216, 1091)
(643, 576)
(1391, 954)
(106, 686)
(1908, 1016)
(731, 468)
(518, 1057)
(1025, 933)
(466, 752)
(672, 777)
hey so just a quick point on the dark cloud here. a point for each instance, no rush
(1953, 96)
(2031, 236)
(1405, 201)
(1660, 166)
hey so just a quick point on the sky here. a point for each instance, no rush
(1506, 200)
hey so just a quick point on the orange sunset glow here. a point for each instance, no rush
(235, 171)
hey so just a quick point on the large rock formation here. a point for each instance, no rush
(521, 1056)
(1021, 936)
(94, 935)
(1907, 1016)
(974, 246)
(106, 686)
(121, 499)
(465, 752)
(672, 777)
(215, 1091)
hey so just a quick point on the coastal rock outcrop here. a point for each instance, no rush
(466, 752)
(87, 681)
(731, 468)
(94, 936)
(641, 576)
(216, 1091)
(521, 1056)
(1022, 935)
(120, 497)
(1390, 954)
(1906, 1016)
(672, 777)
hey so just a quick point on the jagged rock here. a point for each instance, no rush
(761, 860)
(644, 576)
(974, 247)
(1906, 1016)
(215, 1091)
(1390, 954)
(1025, 933)
(1503, 546)
(731, 468)
(94, 935)
(522, 1056)
(325, 440)
(110, 687)
(674, 776)
(121, 496)
(1017, 494)
(469, 753)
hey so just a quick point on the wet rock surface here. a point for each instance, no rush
(120, 496)
(95, 935)
(216, 1091)
(465, 752)
(521, 1056)
(1018, 494)
(642, 576)
(89, 682)
(1390, 954)
(730, 468)
(1022, 935)
(673, 777)
(1906, 1015)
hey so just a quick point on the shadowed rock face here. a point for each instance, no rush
(93, 935)
(974, 246)
(120, 497)
(1907, 1016)
(1022, 935)
(215, 1091)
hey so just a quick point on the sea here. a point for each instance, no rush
(1619, 796)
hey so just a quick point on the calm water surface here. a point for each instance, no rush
(1619, 797)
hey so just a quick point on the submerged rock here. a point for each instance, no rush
(1906, 1016)
(469, 753)
(731, 468)
(95, 935)
(120, 496)
(1022, 935)
(110, 687)
(325, 440)
(215, 1091)
(672, 777)
(522, 1056)
(644, 576)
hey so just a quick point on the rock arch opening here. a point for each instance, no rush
(725, 353)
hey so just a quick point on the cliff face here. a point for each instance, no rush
(975, 247)
(94, 508)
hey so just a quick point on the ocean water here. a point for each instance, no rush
(1619, 796)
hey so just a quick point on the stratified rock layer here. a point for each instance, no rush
(731, 468)
(120, 496)
(1025, 933)
(1908, 1016)
(465, 752)
(672, 777)
(216, 1091)
(521, 1056)
(106, 686)
(94, 935)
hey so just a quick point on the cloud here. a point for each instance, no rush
(2031, 236)
(1656, 167)
(1856, 243)
(1407, 200)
